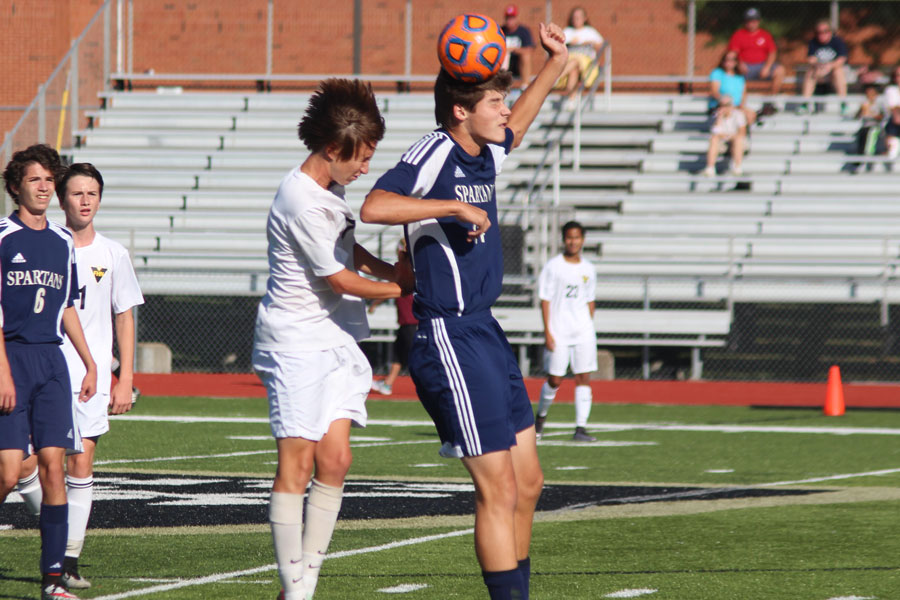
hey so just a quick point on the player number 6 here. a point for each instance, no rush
(39, 300)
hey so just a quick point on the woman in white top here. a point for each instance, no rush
(730, 125)
(583, 42)
(892, 110)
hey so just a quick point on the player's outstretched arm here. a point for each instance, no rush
(529, 103)
(400, 272)
(72, 327)
(120, 399)
(7, 386)
(388, 208)
(348, 282)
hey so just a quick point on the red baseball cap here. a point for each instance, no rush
(512, 10)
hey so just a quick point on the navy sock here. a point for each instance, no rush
(525, 570)
(54, 531)
(504, 585)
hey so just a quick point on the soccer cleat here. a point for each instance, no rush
(708, 172)
(581, 435)
(539, 426)
(73, 580)
(135, 394)
(381, 387)
(54, 591)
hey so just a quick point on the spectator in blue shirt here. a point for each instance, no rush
(725, 80)
(826, 58)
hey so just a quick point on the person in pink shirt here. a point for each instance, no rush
(756, 52)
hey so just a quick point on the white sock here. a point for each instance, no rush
(286, 521)
(80, 493)
(548, 395)
(322, 508)
(583, 399)
(30, 490)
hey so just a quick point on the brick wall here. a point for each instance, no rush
(316, 36)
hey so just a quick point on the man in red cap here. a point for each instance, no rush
(519, 45)
(756, 51)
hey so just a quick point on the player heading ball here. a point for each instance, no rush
(309, 321)
(465, 372)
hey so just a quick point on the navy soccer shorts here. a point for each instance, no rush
(44, 413)
(468, 380)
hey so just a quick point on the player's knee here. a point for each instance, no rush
(554, 381)
(8, 483)
(334, 465)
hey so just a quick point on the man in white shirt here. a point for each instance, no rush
(108, 290)
(566, 288)
(309, 321)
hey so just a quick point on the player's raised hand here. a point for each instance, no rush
(7, 393)
(120, 399)
(553, 40)
(472, 215)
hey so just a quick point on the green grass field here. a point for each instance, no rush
(802, 507)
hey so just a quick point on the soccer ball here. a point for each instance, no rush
(471, 47)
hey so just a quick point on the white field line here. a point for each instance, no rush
(128, 461)
(223, 576)
(599, 427)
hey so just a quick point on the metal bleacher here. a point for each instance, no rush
(190, 177)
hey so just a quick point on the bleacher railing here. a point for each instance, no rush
(57, 108)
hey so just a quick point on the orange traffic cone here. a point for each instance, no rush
(834, 393)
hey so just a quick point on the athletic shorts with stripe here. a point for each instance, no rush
(44, 411)
(468, 380)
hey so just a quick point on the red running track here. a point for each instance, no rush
(637, 392)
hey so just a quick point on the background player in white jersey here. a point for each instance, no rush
(108, 290)
(465, 372)
(37, 294)
(567, 287)
(308, 324)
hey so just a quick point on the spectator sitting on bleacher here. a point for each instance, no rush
(756, 52)
(726, 81)
(871, 111)
(825, 59)
(892, 110)
(583, 42)
(519, 45)
(730, 126)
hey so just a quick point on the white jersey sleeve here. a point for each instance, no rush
(316, 232)
(126, 292)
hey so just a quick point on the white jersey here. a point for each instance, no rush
(569, 287)
(310, 233)
(108, 286)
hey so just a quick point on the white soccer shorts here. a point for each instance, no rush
(92, 417)
(582, 357)
(309, 390)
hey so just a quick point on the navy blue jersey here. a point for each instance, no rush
(38, 281)
(454, 276)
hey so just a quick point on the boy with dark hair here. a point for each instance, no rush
(37, 297)
(309, 321)
(566, 287)
(464, 370)
(107, 293)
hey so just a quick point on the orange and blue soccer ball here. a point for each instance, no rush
(471, 47)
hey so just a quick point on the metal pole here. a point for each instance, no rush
(556, 165)
(408, 26)
(357, 37)
(130, 39)
(607, 77)
(42, 114)
(835, 15)
(691, 36)
(120, 44)
(106, 45)
(576, 146)
(270, 20)
(74, 106)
